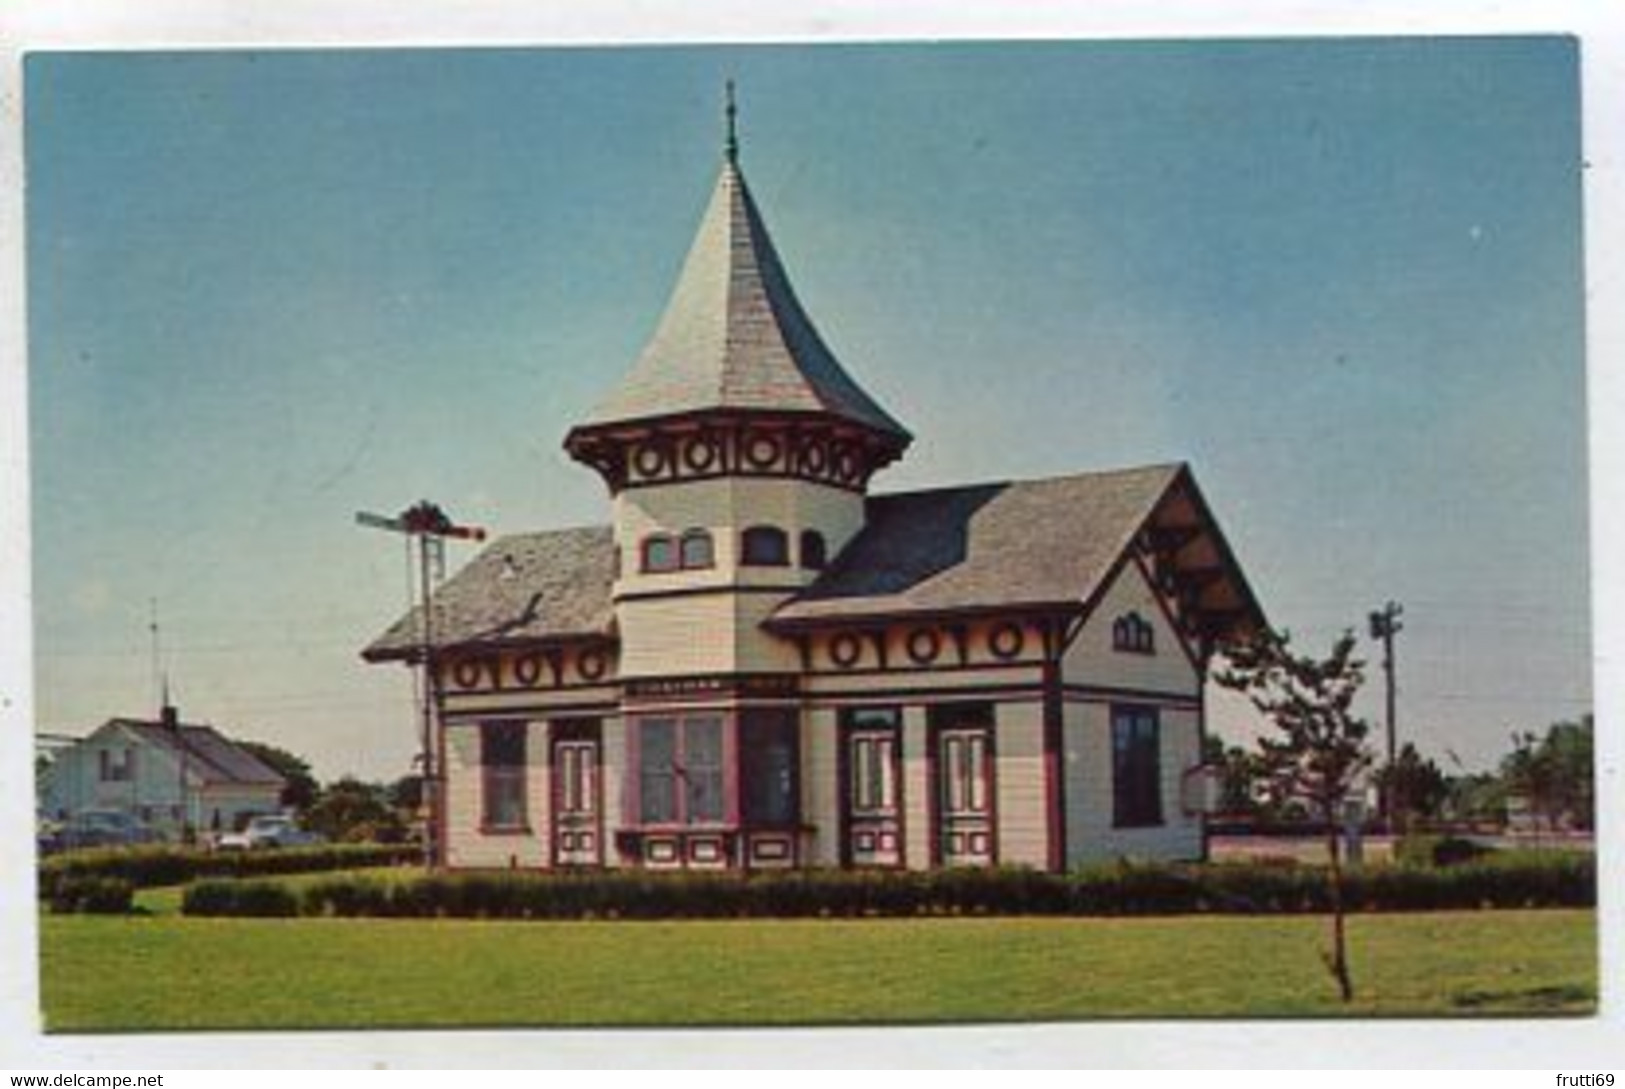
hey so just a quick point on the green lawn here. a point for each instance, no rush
(168, 972)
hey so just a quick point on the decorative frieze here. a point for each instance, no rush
(526, 670)
(819, 451)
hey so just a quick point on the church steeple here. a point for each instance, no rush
(737, 357)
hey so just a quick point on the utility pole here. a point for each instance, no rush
(1384, 626)
(430, 526)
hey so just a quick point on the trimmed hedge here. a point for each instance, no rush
(147, 867)
(1567, 880)
(92, 896)
(253, 898)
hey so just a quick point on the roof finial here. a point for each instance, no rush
(731, 149)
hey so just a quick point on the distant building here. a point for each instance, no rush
(759, 664)
(167, 773)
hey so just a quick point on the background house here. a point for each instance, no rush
(166, 773)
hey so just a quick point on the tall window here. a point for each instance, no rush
(680, 770)
(767, 767)
(1136, 768)
(765, 546)
(813, 552)
(502, 758)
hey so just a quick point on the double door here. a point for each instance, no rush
(959, 785)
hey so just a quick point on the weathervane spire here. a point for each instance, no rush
(731, 148)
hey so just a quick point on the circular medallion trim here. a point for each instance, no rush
(1006, 640)
(591, 664)
(650, 459)
(700, 454)
(755, 445)
(467, 673)
(527, 670)
(923, 646)
(845, 650)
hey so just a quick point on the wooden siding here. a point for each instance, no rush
(916, 793)
(1091, 660)
(820, 789)
(701, 634)
(1019, 781)
(467, 845)
(1087, 764)
(613, 756)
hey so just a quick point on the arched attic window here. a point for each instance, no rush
(814, 554)
(765, 546)
(1134, 634)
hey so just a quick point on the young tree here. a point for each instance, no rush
(1320, 751)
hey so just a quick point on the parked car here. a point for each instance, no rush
(47, 835)
(267, 831)
(104, 828)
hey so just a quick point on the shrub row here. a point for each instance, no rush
(92, 895)
(146, 867)
(1566, 881)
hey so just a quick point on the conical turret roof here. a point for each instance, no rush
(734, 336)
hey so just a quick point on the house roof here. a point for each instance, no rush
(525, 587)
(213, 757)
(1033, 543)
(734, 336)
(1050, 544)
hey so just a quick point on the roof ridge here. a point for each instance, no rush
(1052, 478)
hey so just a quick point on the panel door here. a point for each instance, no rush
(965, 796)
(872, 798)
(578, 825)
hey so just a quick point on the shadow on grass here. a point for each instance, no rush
(1566, 998)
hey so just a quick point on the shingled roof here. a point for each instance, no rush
(734, 336)
(1039, 543)
(210, 756)
(522, 588)
(1024, 544)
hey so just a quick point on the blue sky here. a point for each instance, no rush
(1341, 278)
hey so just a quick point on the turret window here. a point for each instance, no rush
(765, 546)
(813, 553)
(659, 554)
(692, 551)
(696, 550)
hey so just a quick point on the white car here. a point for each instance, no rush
(268, 831)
